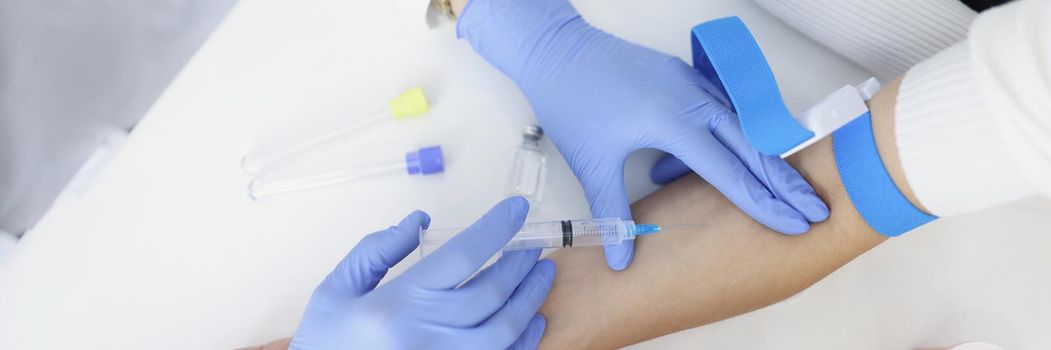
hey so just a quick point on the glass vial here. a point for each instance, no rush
(530, 166)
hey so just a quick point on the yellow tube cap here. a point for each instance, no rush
(411, 103)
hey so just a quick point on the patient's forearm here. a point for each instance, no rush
(682, 279)
(686, 278)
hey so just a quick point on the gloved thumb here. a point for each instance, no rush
(364, 267)
(668, 169)
(606, 194)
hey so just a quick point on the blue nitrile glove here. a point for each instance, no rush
(601, 98)
(427, 307)
(668, 169)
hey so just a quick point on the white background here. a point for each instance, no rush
(166, 250)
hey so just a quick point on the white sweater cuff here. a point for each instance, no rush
(956, 158)
(1010, 47)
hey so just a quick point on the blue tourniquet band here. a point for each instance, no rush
(725, 52)
(870, 187)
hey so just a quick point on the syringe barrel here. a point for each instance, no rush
(550, 234)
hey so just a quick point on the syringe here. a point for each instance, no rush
(553, 234)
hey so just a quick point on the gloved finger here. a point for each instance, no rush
(530, 338)
(605, 192)
(780, 178)
(507, 325)
(363, 268)
(668, 169)
(480, 297)
(703, 153)
(462, 255)
(712, 89)
(619, 255)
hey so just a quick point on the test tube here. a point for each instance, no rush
(552, 234)
(411, 103)
(425, 161)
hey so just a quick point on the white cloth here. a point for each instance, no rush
(1011, 55)
(887, 37)
(70, 72)
(954, 154)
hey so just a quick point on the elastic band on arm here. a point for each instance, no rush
(870, 187)
(725, 52)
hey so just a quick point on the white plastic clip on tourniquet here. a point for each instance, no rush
(835, 111)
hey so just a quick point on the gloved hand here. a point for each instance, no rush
(601, 98)
(423, 308)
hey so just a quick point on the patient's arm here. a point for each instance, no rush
(686, 278)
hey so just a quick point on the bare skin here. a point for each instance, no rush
(280, 344)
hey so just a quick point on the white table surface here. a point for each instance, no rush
(165, 250)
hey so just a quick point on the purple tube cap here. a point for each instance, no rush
(425, 161)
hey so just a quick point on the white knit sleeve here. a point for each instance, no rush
(1011, 55)
(973, 123)
(954, 155)
(887, 37)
